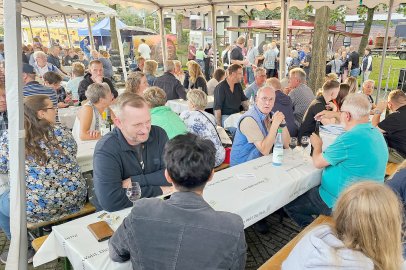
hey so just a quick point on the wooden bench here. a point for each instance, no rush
(391, 168)
(37, 242)
(221, 167)
(87, 209)
(275, 262)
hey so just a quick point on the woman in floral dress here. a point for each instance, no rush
(201, 123)
(54, 184)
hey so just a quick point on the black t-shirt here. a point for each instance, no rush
(394, 126)
(236, 54)
(200, 83)
(354, 58)
(225, 100)
(309, 124)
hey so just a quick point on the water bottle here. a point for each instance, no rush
(252, 101)
(277, 156)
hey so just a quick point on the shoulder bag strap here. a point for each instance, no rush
(215, 128)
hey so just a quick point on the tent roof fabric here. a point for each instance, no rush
(56, 8)
(103, 29)
(236, 5)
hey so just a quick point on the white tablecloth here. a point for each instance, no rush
(67, 116)
(327, 139)
(180, 105)
(232, 120)
(252, 190)
(85, 155)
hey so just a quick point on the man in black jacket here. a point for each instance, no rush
(170, 84)
(132, 152)
(95, 76)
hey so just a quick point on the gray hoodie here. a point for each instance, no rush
(321, 249)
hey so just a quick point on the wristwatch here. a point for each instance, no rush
(377, 111)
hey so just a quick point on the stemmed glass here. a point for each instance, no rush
(292, 145)
(304, 142)
(134, 192)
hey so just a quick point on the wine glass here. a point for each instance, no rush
(292, 144)
(134, 192)
(304, 142)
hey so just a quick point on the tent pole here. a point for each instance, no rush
(67, 31)
(385, 45)
(283, 34)
(214, 31)
(17, 256)
(89, 26)
(49, 33)
(162, 33)
(32, 34)
(120, 49)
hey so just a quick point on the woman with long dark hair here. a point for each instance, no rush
(54, 183)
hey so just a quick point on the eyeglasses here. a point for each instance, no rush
(266, 99)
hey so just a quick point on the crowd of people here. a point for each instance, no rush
(169, 153)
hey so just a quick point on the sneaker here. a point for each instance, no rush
(30, 256)
(261, 227)
(47, 228)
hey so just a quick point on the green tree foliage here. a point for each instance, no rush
(129, 16)
(366, 15)
(336, 15)
(300, 14)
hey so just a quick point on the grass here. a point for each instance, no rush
(396, 63)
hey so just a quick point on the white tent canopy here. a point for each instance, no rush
(14, 9)
(56, 8)
(236, 5)
(11, 12)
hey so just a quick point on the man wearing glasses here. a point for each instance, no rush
(131, 152)
(260, 78)
(359, 154)
(257, 128)
(256, 134)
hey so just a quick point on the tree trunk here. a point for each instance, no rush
(179, 29)
(319, 48)
(113, 31)
(367, 29)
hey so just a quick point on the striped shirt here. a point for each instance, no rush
(301, 98)
(35, 88)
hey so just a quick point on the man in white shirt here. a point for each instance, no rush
(144, 50)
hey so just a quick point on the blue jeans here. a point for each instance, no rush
(5, 213)
(354, 72)
(250, 75)
(201, 64)
(302, 209)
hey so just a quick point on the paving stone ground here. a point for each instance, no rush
(260, 247)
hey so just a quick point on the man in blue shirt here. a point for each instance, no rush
(358, 154)
(32, 87)
(260, 78)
